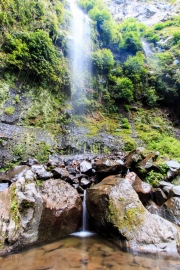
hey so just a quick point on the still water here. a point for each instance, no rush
(90, 253)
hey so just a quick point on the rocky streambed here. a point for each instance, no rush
(43, 201)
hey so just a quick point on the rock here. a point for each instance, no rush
(55, 161)
(108, 166)
(171, 174)
(147, 164)
(174, 192)
(164, 184)
(16, 172)
(152, 207)
(62, 210)
(159, 196)
(85, 166)
(134, 156)
(30, 162)
(143, 189)
(71, 170)
(3, 177)
(171, 210)
(41, 172)
(85, 183)
(29, 215)
(29, 176)
(173, 164)
(117, 213)
(3, 186)
(61, 173)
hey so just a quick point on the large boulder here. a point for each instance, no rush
(31, 213)
(117, 213)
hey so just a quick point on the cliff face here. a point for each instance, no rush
(147, 12)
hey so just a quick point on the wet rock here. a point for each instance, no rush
(143, 189)
(41, 172)
(85, 183)
(16, 172)
(30, 215)
(159, 196)
(109, 166)
(117, 213)
(174, 192)
(61, 173)
(85, 166)
(171, 210)
(152, 207)
(80, 190)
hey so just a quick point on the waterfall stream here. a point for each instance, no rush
(79, 54)
(146, 48)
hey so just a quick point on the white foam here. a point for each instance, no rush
(83, 234)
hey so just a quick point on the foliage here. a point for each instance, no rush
(124, 89)
(103, 59)
(153, 178)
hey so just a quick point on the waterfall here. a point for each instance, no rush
(84, 221)
(79, 54)
(146, 48)
(84, 232)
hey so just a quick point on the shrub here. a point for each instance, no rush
(103, 59)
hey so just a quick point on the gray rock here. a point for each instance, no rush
(109, 166)
(171, 210)
(85, 166)
(30, 162)
(173, 164)
(159, 196)
(174, 192)
(41, 172)
(84, 182)
(152, 207)
(116, 210)
(31, 215)
(61, 173)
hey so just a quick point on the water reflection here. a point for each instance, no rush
(93, 253)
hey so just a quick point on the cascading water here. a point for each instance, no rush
(84, 225)
(79, 55)
(84, 232)
(146, 48)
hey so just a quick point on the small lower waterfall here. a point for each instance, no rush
(84, 221)
(84, 232)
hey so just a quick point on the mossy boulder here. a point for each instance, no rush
(32, 213)
(118, 214)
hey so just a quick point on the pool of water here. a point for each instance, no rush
(89, 253)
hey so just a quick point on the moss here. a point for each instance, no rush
(9, 110)
(14, 208)
(17, 99)
(126, 220)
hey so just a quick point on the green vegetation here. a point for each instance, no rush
(14, 209)
(9, 110)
